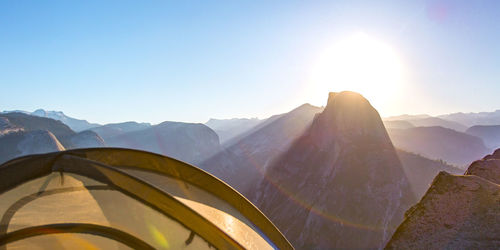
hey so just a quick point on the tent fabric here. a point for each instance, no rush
(155, 200)
(61, 200)
(107, 232)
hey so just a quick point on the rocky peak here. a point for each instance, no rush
(495, 155)
(5, 124)
(7, 127)
(348, 116)
(343, 167)
(487, 168)
(40, 112)
(39, 141)
(86, 139)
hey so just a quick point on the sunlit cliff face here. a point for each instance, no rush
(362, 64)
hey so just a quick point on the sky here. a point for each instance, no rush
(153, 61)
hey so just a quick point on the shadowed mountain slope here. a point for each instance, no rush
(230, 128)
(421, 171)
(86, 139)
(341, 180)
(490, 134)
(21, 143)
(246, 157)
(434, 121)
(454, 147)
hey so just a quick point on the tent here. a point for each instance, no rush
(114, 198)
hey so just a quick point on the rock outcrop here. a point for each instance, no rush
(32, 123)
(22, 143)
(339, 185)
(86, 139)
(421, 171)
(457, 212)
(7, 127)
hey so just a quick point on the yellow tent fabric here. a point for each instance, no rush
(121, 198)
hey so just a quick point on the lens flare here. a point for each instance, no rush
(158, 237)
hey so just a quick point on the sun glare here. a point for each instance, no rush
(359, 63)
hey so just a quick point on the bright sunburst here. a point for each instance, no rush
(359, 63)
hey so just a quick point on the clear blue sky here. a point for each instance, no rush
(111, 61)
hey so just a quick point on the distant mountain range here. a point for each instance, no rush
(189, 142)
(426, 121)
(227, 129)
(421, 171)
(440, 143)
(398, 124)
(116, 129)
(472, 119)
(455, 121)
(324, 176)
(22, 134)
(75, 124)
(489, 133)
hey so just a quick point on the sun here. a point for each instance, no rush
(362, 64)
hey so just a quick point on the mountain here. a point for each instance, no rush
(446, 144)
(230, 128)
(434, 121)
(64, 135)
(22, 142)
(398, 124)
(114, 129)
(340, 184)
(472, 119)
(406, 117)
(421, 171)
(246, 156)
(75, 124)
(7, 127)
(31, 123)
(489, 133)
(428, 121)
(86, 139)
(189, 142)
(457, 212)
